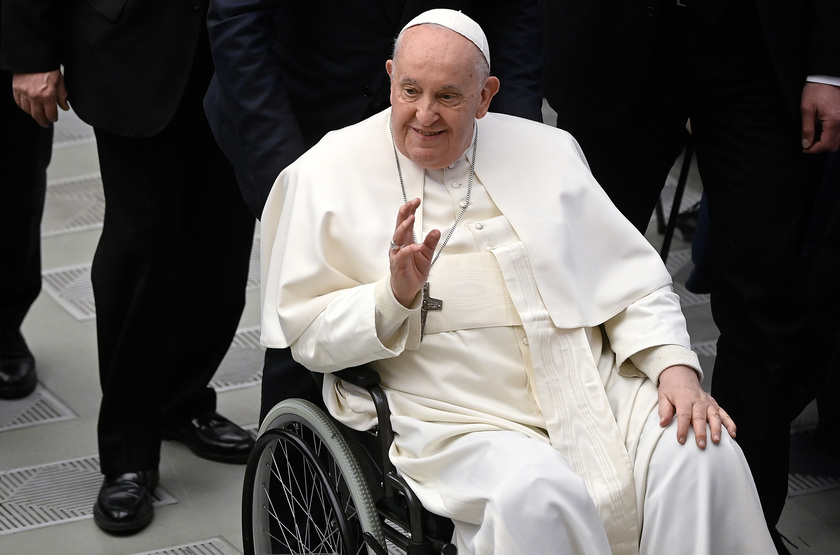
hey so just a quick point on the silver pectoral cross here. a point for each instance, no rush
(428, 304)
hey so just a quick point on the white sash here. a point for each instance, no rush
(579, 420)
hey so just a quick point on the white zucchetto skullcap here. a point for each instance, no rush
(457, 22)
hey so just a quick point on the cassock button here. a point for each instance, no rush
(525, 341)
(463, 203)
(456, 185)
(488, 248)
(479, 226)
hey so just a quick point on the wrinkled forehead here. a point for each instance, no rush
(434, 49)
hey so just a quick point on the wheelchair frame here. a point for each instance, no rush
(313, 485)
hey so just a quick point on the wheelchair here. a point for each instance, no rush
(315, 486)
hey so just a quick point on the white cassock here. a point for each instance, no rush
(527, 414)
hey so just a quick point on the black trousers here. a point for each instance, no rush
(169, 278)
(748, 152)
(283, 378)
(824, 277)
(26, 151)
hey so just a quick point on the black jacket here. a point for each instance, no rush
(289, 72)
(126, 62)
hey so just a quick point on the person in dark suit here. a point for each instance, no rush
(171, 266)
(27, 148)
(289, 72)
(758, 80)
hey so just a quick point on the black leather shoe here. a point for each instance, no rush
(17, 367)
(124, 505)
(212, 437)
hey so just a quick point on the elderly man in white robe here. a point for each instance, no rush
(530, 345)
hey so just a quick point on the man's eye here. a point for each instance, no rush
(410, 91)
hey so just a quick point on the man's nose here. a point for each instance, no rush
(427, 112)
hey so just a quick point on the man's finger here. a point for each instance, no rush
(402, 235)
(38, 113)
(715, 426)
(699, 422)
(683, 422)
(666, 410)
(829, 138)
(62, 94)
(808, 129)
(728, 423)
(432, 239)
(807, 139)
(823, 143)
(51, 111)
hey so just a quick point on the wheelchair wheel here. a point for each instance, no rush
(304, 490)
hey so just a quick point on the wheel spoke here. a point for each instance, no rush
(305, 488)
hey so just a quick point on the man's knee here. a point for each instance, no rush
(713, 456)
(675, 468)
(534, 494)
(543, 511)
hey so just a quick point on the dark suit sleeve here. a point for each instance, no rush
(824, 48)
(513, 29)
(30, 35)
(247, 104)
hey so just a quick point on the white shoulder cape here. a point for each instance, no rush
(328, 221)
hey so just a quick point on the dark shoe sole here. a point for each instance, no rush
(18, 391)
(235, 458)
(122, 527)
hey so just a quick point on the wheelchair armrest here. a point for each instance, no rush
(367, 378)
(408, 511)
(362, 376)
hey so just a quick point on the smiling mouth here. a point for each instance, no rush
(428, 133)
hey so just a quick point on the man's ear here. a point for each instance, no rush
(491, 87)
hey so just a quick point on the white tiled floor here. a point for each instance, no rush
(48, 467)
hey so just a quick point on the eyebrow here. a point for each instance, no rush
(410, 81)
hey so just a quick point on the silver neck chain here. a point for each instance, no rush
(466, 200)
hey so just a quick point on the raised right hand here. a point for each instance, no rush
(411, 262)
